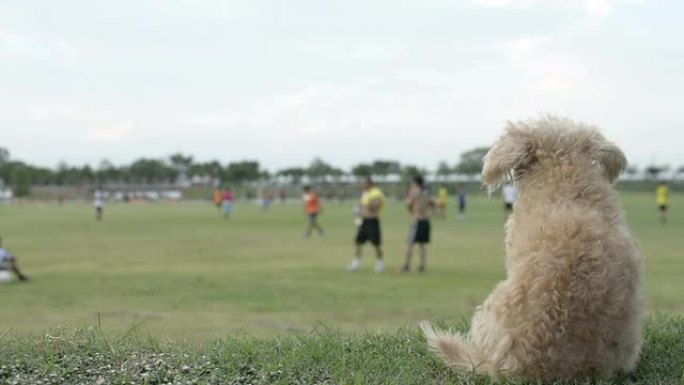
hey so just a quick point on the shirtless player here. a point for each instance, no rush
(420, 206)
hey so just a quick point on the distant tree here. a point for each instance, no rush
(4, 155)
(409, 171)
(21, 181)
(384, 168)
(151, 171)
(86, 175)
(212, 168)
(67, 175)
(5, 172)
(443, 170)
(294, 173)
(362, 170)
(41, 175)
(180, 162)
(244, 171)
(653, 171)
(472, 161)
(107, 172)
(318, 170)
(632, 170)
(679, 172)
(337, 173)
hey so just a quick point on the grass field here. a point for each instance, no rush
(186, 273)
(322, 357)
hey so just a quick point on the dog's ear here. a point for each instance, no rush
(512, 152)
(611, 159)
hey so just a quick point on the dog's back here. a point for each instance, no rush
(571, 303)
(575, 274)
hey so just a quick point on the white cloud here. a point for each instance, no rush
(59, 112)
(550, 74)
(36, 46)
(405, 82)
(375, 51)
(118, 133)
(217, 119)
(94, 127)
(507, 3)
(596, 7)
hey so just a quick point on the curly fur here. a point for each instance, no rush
(571, 304)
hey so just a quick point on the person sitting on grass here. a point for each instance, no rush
(9, 262)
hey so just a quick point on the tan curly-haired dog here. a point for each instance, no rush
(571, 304)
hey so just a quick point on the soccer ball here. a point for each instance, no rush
(357, 216)
(5, 276)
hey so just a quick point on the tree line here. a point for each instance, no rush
(21, 175)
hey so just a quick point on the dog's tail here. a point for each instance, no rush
(456, 351)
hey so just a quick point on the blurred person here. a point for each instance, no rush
(510, 194)
(227, 200)
(419, 205)
(662, 200)
(98, 202)
(283, 196)
(8, 262)
(442, 201)
(341, 196)
(266, 199)
(312, 205)
(462, 202)
(217, 198)
(369, 208)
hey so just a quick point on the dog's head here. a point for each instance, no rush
(549, 141)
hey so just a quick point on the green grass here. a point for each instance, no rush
(185, 272)
(321, 357)
(182, 296)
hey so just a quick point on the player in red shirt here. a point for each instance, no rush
(312, 205)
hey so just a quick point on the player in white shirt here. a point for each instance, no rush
(9, 262)
(98, 202)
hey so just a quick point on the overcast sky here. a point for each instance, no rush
(349, 81)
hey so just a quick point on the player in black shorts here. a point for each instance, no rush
(369, 208)
(420, 205)
(369, 231)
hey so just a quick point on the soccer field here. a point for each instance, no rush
(184, 272)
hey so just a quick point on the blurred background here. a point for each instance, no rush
(153, 109)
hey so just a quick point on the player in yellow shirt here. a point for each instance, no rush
(662, 200)
(371, 204)
(442, 201)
